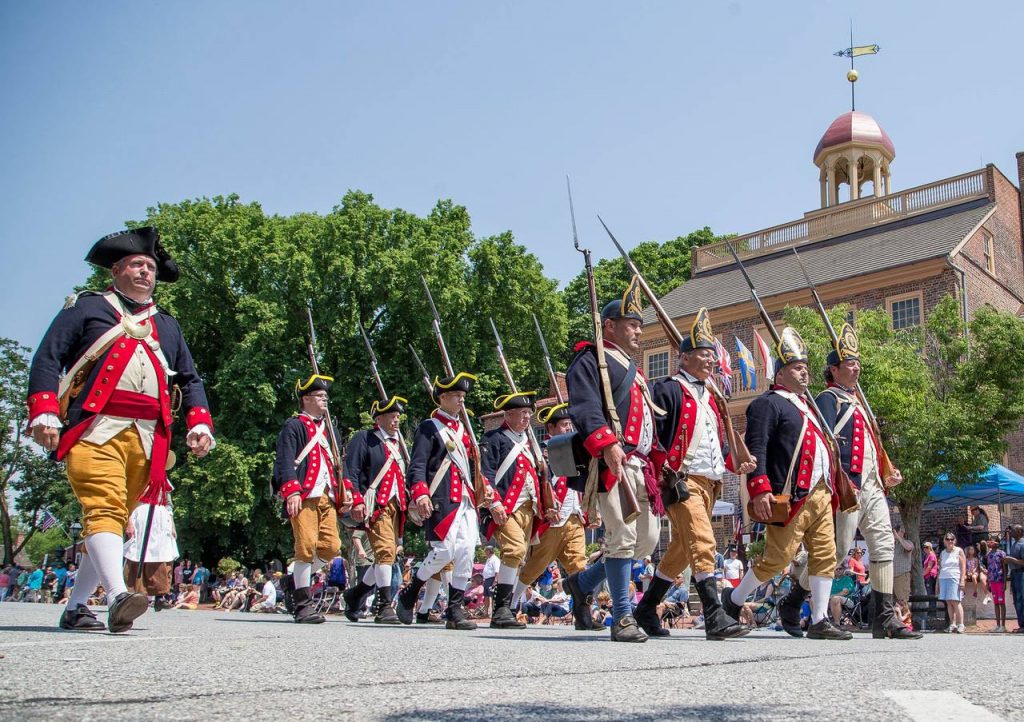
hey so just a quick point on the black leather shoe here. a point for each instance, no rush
(626, 630)
(887, 624)
(384, 613)
(581, 617)
(503, 618)
(717, 624)
(458, 617)
(406, 602)
(730, 607)
(789, 610)
(304, 613)
(126, 608)
(425, 619)
(826, 630)
(354, 599)
(646, 612)
(80, 619)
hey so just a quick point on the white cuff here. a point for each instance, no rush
(50, 420)
(203, 430)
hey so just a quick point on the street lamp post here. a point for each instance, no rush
(75, 528)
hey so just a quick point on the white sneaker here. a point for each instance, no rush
(952, 629)
(961, 629)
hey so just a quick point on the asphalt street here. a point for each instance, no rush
(185, 665)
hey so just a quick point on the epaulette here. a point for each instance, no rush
(582, 345)
(71, 300)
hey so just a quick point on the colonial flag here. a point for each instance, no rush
(767, 360)
(47, 521)
(748, 373)
(724, 367)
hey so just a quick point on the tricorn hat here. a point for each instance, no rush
(791, 348)
(701, 335)
(396, 404)
(518, 400)
(314, 383)
(140, 241)
(461, 381)
(628, 307)
(551, 414)
(846, 347)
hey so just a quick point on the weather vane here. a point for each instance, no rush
(852, 52)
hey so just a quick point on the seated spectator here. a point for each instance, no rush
(557, 606)
(532, 601)
(268, 598)
(602, 610)
(843, 587)
(188, 599)
(98, 597)
(675, 605)
(475, 593)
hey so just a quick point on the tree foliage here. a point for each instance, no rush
(241, 302)
(947, 394)
(664, 266)
(26, 476)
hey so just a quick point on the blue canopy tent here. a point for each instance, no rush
(998, 485)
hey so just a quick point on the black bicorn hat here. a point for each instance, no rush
(139, 241)
(701, 335)
(791, 348)
(314, 383)
(846, 347)
(629, 306)
(518, 400)
(552, 414)
(461, 381)
(396, 404)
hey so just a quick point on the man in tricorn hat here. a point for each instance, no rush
(633, 460)
(124, 364)
(859, 454)
(306, 479)
(563, 540)
(793, 461)
(376, 469)
(698, 455)
(509, 465)
(443, 494)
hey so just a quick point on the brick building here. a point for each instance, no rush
(877, 248)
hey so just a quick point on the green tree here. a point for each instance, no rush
(241, 302)
(47, 545)
(947, 395)
(665, 266)
(27, 476)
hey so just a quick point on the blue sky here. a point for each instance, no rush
(669, 116)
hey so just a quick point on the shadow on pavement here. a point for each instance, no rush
(553, 712)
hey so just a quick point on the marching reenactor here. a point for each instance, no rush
(441, 482)
(563, 540)
(509, 465)
(791, 487)
(125, 368)
(306, 479)
(375, 468)
(626, 485)
(859, 454)
(693, 433)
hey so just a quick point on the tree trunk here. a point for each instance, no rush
(5, 528)
(910, 513)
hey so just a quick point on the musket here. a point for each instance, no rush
(478, 483)
(847, 494)
(384, 398)
(736, 443)
(145, 545)
(547, 499)
(337, 451)
(552, 377)
(630, 505)
(425, 375)
(884, 463)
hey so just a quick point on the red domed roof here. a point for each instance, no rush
(854, 126)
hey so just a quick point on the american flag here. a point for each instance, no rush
(48, 520)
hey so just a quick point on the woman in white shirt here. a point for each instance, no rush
(733, 568)
(952, 574)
